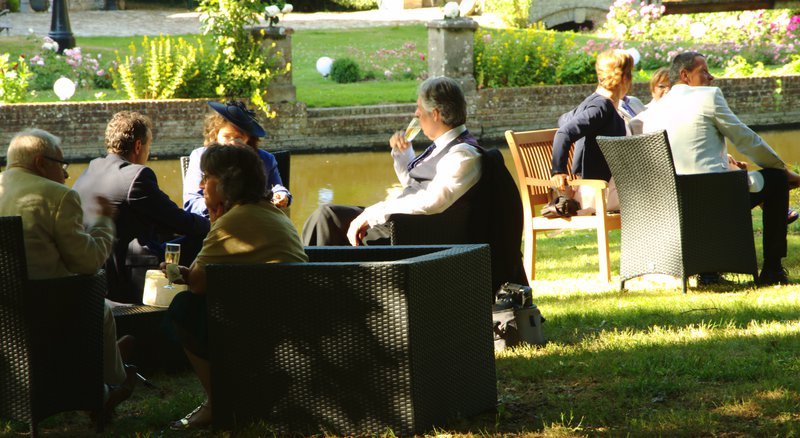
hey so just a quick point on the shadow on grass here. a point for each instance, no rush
(733, 386)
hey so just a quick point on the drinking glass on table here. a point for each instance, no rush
(412, 129)
(172, 256)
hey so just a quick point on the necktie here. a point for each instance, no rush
(413, 163)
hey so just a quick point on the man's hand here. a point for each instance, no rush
(398, 142)
(357, 230)
(794, 179)
(733, 164)
(106, 208)
(560, 181)
(280, 199)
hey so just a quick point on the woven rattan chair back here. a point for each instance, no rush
(15, 378)
(671, 224)
(51, 332)
(184, 167)
(532, 152)
(354, 342)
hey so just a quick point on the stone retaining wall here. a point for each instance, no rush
(759, 102)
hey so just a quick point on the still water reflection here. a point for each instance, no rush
(361, 178)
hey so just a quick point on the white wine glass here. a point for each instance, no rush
(412, 130)
(172, 255)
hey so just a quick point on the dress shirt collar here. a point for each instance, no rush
(445, 139)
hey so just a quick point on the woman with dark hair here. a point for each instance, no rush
(245, 228)
(231, 123)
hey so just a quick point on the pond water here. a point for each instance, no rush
(361, 178)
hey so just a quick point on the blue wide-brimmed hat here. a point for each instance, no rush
(235, 112)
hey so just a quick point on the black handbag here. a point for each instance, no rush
(561, 206)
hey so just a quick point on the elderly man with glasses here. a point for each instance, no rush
(56, 242)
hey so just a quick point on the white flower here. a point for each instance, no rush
(697, 30)
(451, 10)
(621, 29)
(11, 74)
(272, 11)
(287, 8)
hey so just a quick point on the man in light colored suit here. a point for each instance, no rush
(698, 120)
(56, 242)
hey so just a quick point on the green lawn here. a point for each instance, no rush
(307, 47)
(649, 361)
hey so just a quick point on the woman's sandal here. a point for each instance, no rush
(193, 419)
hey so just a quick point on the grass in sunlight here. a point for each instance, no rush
(649, 361)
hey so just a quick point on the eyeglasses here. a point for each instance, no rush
(64, 164)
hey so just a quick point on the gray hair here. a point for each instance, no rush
(682, 61)
(30, 143)
(240, 171)
(444, 94)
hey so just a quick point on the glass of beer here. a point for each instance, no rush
(412, 130)
(172, 255)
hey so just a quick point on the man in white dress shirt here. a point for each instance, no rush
(698, 120)
(432, 181)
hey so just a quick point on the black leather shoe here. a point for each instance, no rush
(713, 279)
(773, 276)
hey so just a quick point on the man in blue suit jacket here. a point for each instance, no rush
(144, 210)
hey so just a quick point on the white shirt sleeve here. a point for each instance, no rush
(401, 160)
(456, 173)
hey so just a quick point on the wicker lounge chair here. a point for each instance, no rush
(678, 225)
(357, 341)
(533, 154)
(51, 332)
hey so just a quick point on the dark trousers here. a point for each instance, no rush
(774, 200)
(328, 225)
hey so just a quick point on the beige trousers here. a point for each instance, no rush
(113, 368)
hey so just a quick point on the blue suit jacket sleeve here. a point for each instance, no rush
(274, 181)
(584, 122)
(148, 201)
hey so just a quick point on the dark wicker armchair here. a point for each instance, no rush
(51, 332)
(678, 225)
(357, 341)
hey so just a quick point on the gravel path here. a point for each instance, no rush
(144, 22)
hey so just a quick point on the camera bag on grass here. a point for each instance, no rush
(516, 318)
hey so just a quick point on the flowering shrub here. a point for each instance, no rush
(241, 65)
(13, 79)
(534, 56)
(85, 70)
(405, 62)
(630, 19)
(162, 71)
(769, 37)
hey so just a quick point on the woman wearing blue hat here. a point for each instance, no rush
(231, 123)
